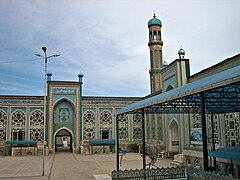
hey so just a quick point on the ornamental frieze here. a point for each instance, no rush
(64, 91)
(110, 103)
(17, 101)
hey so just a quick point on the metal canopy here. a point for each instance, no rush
(21, 142)
(102, 142)
(221, 92)
(217, 93)
(228, 152)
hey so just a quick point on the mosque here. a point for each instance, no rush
(86, 124)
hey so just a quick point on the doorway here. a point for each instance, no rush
(173, 137)
(105, 134)
(63, 141)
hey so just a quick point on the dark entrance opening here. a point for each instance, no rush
(63, 141)
(105, 134)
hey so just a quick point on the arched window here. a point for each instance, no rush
(159, 35)
(160, 57)
(36, 125)
(123, 126)
(88, 125)
(151, 58)
(188, 161)
(155, 63)
(150, 36)
(18, 125)
(153, 127)
(155, 35)
(36, 118)
(159, 127)
(3, 124)
(196, 163)
(106, 124)
(137, 126)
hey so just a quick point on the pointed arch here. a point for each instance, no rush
(70, 135)
(18, 125)
(106, 124)
(64, 99)
(3, 124)
(173, 136)
(89, 125)
(64, 111)
(36, 125)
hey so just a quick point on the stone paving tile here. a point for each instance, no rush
(68, 166)
(24, 167)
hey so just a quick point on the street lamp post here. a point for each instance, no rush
(45, 99)
(80, 76)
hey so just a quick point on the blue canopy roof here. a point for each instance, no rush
(210, 82)
(102, 142)
(21, 142)
(228, 152)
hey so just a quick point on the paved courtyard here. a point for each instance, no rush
(65, 165)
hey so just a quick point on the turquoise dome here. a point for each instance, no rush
(154, 21)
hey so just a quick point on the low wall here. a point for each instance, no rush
(24, 151)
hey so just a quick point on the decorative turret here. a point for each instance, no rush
(155, 45)
(49, 76)
(181, 53)
(80, 77)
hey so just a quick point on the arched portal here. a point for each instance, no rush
(63, 140)
(173, 137)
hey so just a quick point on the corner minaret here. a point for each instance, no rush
(155, 45)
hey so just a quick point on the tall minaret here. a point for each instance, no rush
(155, 44)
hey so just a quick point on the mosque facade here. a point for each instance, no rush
(86, 123)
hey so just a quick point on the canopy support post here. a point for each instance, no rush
(213, 142)
(117, 143)
(143, 139)
(204, 132)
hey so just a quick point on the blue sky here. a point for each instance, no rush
(108, 41)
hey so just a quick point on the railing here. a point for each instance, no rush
(168, 173)
(193, 173)
(150, 174)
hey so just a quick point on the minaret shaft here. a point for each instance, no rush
(156, 61)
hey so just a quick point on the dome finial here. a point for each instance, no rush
(181, 53)
(154, 15)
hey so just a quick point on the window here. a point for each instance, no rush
(231, 124)
(150, 35)
(154, 35)
(105, 134)
(159, 35)
(3, 123)
(188, 161)
(123, 126)
(36, 125)
(88, 124)
(18, 125)
(105, 120)
(18, 136)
